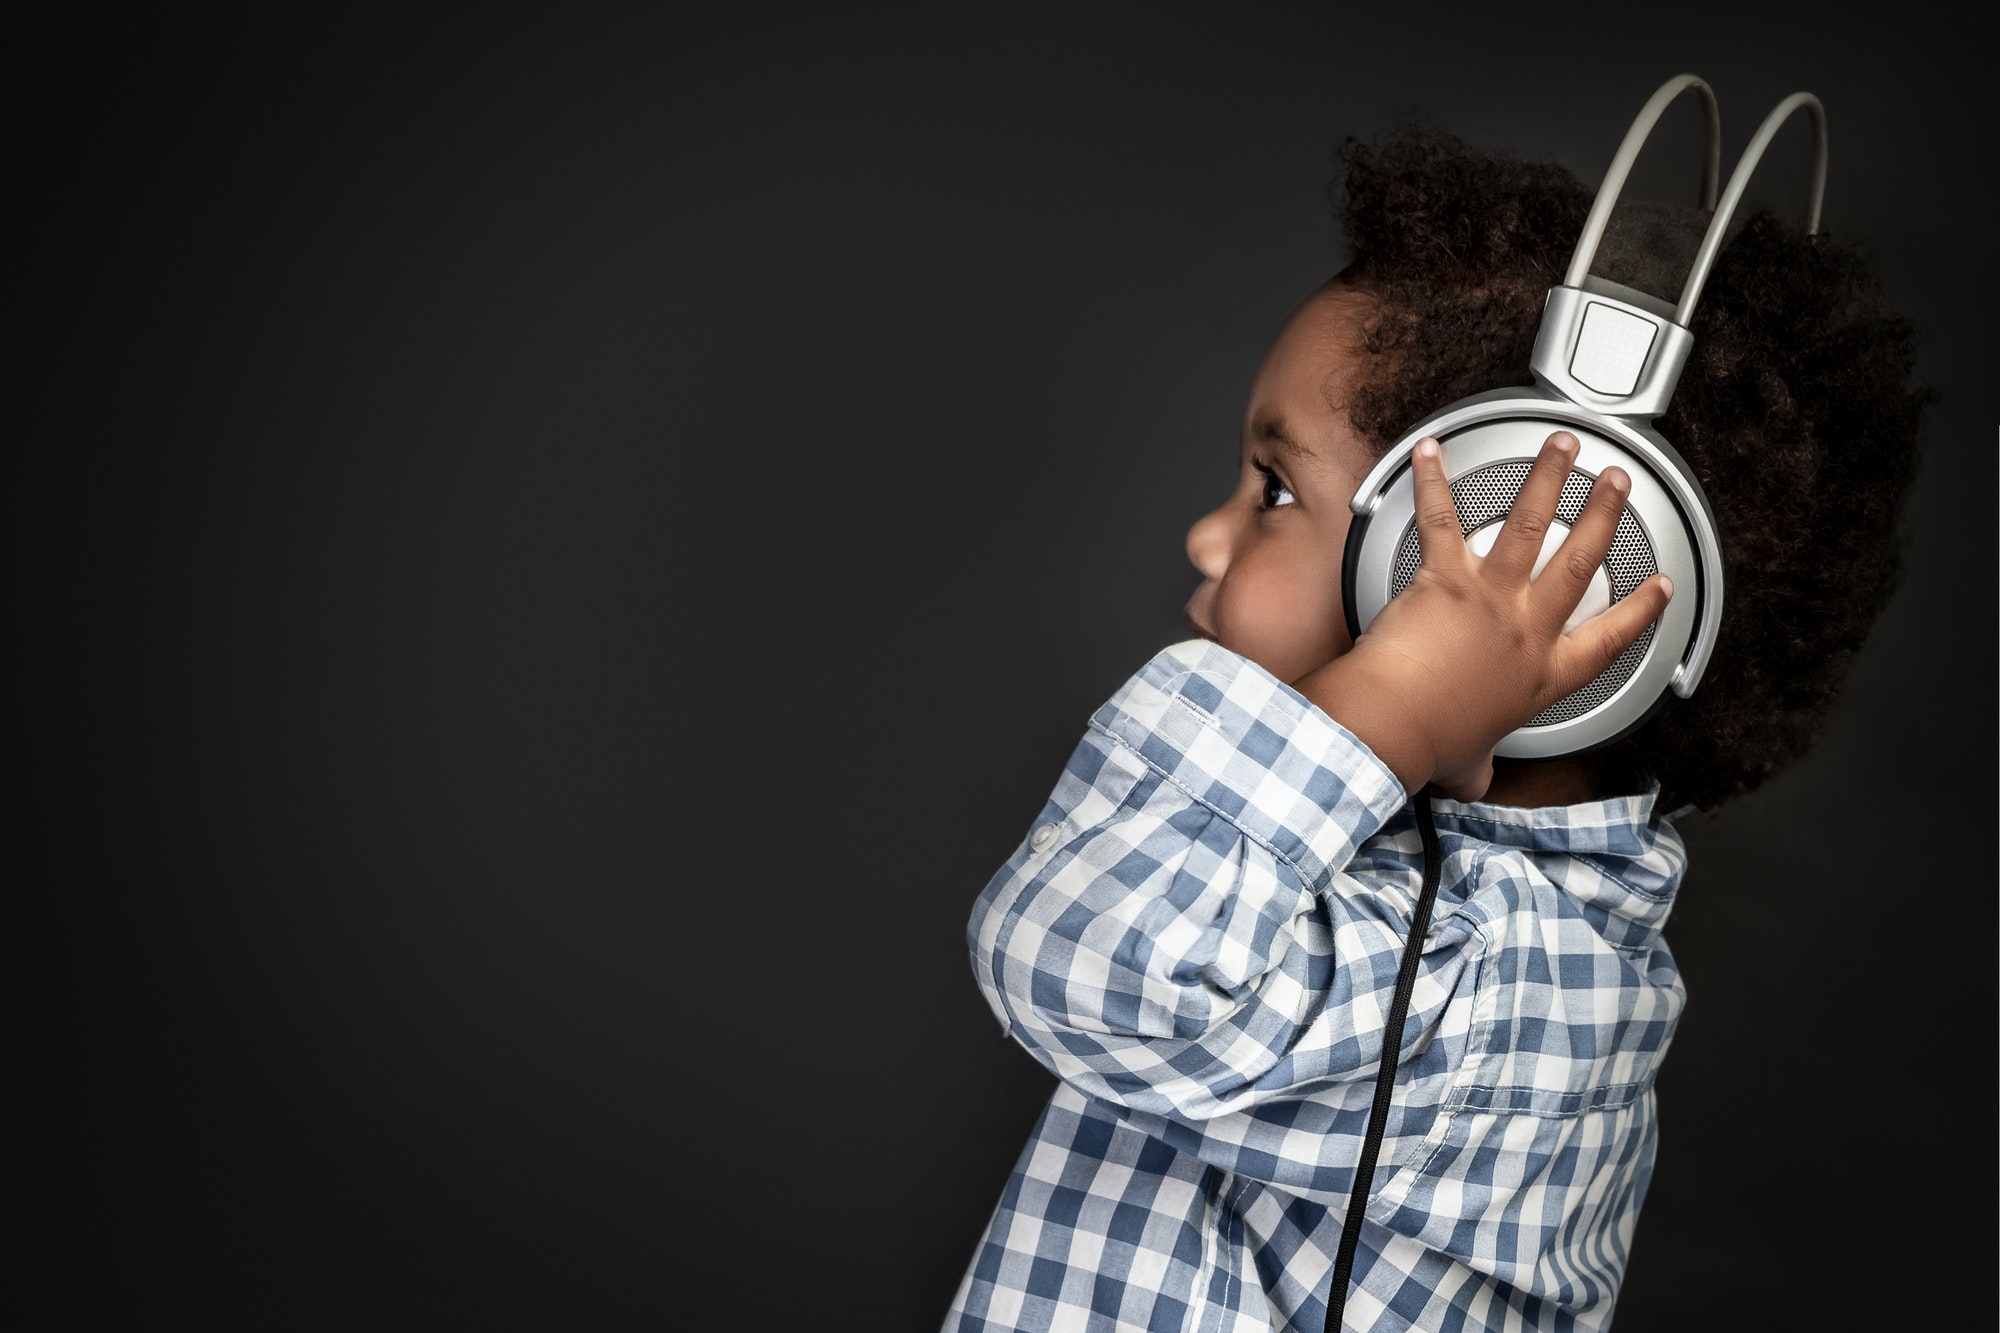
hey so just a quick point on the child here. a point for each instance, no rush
(1201, 933)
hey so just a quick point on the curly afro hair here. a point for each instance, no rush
(1798, 410)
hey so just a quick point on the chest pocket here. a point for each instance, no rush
(1543, 1144)
(1564, 1024)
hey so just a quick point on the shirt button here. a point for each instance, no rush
(1044, 835)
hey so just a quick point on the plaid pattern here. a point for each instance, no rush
(1200, 936)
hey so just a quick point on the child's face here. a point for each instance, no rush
(1270, 556)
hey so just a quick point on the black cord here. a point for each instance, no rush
(1385, 1077)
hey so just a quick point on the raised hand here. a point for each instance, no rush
(1474, 647)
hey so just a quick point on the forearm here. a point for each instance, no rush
(1346, 691)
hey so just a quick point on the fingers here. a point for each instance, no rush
(1561, 585)
(1519, 543)
(1585, 652)
(1439, 536)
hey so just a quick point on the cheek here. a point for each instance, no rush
(1283, 610)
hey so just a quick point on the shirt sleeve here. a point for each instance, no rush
(1180, 931)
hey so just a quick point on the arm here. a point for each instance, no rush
(1182, 933)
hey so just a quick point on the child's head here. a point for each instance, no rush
(1797, 410)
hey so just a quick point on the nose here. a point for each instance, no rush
(1208, 544)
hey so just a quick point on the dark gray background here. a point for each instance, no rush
(552, 551)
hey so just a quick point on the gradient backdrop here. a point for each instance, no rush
(552, 549)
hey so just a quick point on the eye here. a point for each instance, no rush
(1276, 493)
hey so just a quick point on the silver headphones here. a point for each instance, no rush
(1605, 363)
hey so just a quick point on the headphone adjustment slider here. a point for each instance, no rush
(1610, 348)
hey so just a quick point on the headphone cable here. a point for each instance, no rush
(1385, 1077)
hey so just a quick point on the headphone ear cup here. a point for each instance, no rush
(1487, 460)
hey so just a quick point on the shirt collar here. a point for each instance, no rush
(1638, 856)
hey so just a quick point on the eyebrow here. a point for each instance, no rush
(1272, 430)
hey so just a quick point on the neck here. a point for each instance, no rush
(1570, 780)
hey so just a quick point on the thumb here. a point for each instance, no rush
(1466, 786)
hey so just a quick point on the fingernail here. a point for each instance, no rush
(1668, 584)
(1619, 481)
(1427, 448)
(1566, 443)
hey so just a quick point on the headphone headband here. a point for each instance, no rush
(1619, 351)
(1628, 152)
(1740, 177)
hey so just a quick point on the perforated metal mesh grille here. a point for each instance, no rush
(1484, 496)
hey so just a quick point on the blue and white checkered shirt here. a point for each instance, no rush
(1200, 937)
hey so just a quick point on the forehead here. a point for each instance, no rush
(1298, 406)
